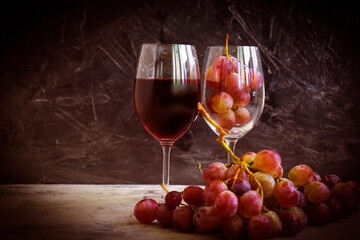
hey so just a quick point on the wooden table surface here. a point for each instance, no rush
(105, 212)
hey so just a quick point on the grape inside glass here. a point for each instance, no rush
(233, 91)
(166, 92)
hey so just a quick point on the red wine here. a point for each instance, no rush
(166, 107)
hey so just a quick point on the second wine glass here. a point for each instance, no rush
(233, 90)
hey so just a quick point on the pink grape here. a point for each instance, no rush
(316, 192)
(316, 177)
(354, 185)
(164, 216)
(356, 188)
(266, 181)
(286, 194)
(213, 189)
(291, 224)
(259, 227)
(318, 214)
(336, 209)
(331, 179)
(242, 116)
(267, 160)
(233, 227)
(303, 201)
(182, 219)
(241, 186)
(254, 79)
(241, 99)
(206, 219)
(226, 120)
(212, 78)
(208, 107)
(221, 102)
(226, 203)
(233, 84)
(145, 210)
(224, 67)
(343, 192)
(302, 217)
(248, 157)
(275, 223)
(249, 204)
(193, 195)
(215, 171)
(301, 175)
(277, 173)
(173, 199)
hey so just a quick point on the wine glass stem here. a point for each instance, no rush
(166, 165)
(231, 144)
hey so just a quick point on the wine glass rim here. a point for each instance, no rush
(166, 44)
(223, 46)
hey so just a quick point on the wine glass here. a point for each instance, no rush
(233, 90)
(166, 92)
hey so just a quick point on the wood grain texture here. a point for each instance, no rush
(105, 212)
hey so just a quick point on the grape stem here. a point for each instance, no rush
(200, 168)
(163, 187)
(193, 208)
(235, 178)
(228, 56)
(227, 52)
(235, 159)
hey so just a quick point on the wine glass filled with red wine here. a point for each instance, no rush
(166, 93)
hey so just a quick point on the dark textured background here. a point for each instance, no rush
(67, 72)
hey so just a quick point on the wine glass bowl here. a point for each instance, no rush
(166, 92)
(233, 90)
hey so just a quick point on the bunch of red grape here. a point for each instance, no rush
(230, 89)
(252, 197)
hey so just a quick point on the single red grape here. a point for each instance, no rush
(242, 116)
(286, 194)
(241, 186)
(259, 227)
(233, 227)
(206, 219)
(145, 210)
(221, 102)
(182, 219)
(275, 222)
(249, 204)
(301, 175)
(164, 216)
(214, 171)
(193, 195)
(318, 213)
(316, 192)
(226, 203)
(343, 192)
(173, 199)
(331, 179)
(226, 120)
(267, 160)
